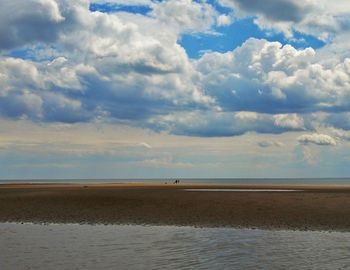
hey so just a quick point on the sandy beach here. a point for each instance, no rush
(303, 208)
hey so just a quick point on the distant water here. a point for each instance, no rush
(249, 181)
(68, 246)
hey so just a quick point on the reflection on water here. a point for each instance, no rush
(67, 246)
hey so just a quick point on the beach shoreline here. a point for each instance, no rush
(325, 208)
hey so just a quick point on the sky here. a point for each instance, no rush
(174, 88)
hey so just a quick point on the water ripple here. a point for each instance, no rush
(29, 246)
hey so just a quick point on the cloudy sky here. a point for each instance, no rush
(174, 88)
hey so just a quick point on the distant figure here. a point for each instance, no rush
(176, 181)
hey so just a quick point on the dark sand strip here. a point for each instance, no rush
(315, 208)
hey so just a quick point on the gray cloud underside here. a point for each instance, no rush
(130, 69)
(323, 19)
(24, 22)
(279, 10)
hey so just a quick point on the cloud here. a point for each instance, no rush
(125, 2)
(169, 162)
(216, 124)
(322, 19)
(128, 72)
(276, 10)
(224, 20)
(129, 68)
(146, 145)
(267, 77)
(166, 163)
(30, 21)
(266, 144)
(340, 134)
(310, 156)
(318, 139)
(32, 97)
(185, 15)
(289, 121)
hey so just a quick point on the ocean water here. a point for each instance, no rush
(70, 246)
(248, 181)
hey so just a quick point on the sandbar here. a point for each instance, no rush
(306, 208)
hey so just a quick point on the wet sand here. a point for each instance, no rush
(305, 208)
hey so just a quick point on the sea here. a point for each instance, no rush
(245, 181)
(75, 246)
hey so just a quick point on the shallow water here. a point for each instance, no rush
(240, 190)
(69, 246)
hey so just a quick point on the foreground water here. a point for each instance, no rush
(69, 246)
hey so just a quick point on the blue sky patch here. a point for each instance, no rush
(111, 7)
(227, 38)
(221, 9)
(37, 53)
(21, 53)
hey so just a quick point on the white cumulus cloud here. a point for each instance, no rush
(319, 139)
